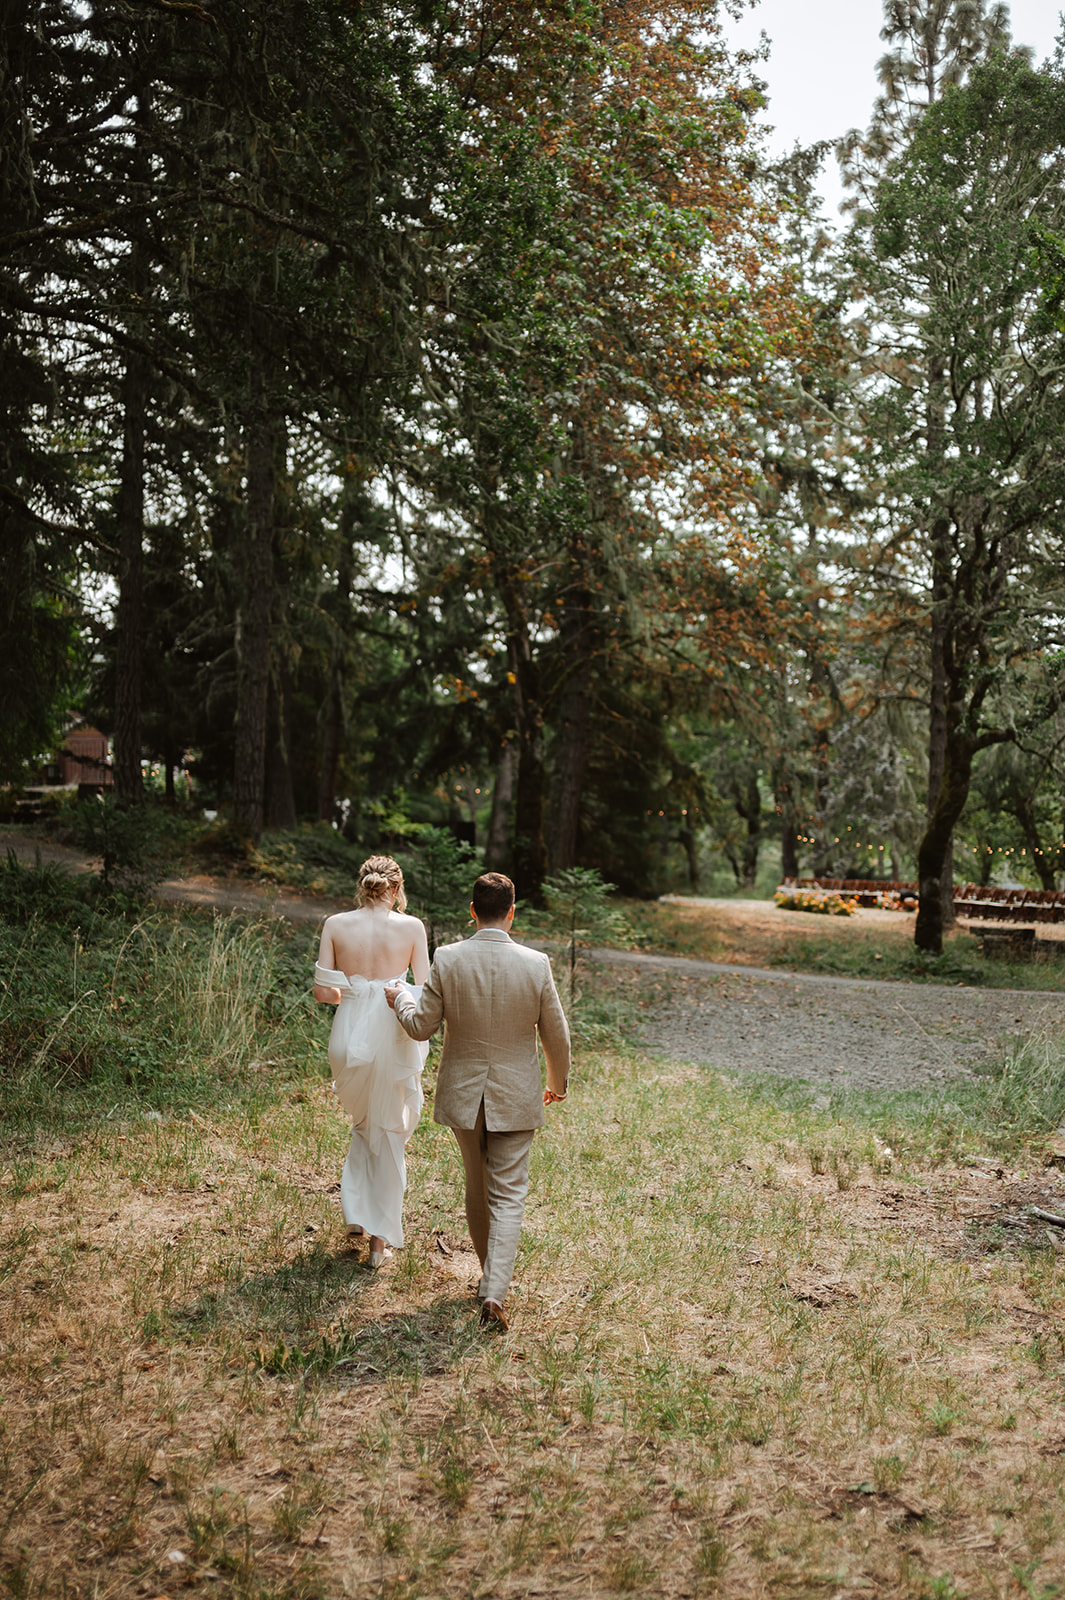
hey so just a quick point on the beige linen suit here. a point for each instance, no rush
(493, 997)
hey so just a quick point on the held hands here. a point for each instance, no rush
(551, 1098)
(391, 991)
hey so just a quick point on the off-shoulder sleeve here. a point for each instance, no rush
(329, 979)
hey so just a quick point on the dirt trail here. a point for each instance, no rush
(193, 889)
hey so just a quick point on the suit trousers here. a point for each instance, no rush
(497, 1181)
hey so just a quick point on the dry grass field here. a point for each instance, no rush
(761, 1344)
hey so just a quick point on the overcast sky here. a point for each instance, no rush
(821, 73)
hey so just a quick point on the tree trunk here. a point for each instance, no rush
(333, 741)
(937, 713)
(254, 615)
(170, 761)
(789, 831)
(497, 845)
(571, 740)
(753, 814)
(933, 856)
(823, 852)
(938, 804)
(931, 925)
(530, 856)
(1025, 814)
(280, 798)
(946, 885)
(789, 851)
(129, 616)
(690, 844)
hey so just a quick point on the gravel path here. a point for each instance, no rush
(834, 1031)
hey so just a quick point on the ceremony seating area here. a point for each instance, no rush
(974, 901)
(980, 901)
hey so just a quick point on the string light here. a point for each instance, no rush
(883, 849)
(959, 845)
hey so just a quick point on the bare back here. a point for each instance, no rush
(374, 942)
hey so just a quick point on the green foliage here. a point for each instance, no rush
(1026, 1091)
(322, 1355)
(103, 1013)
(439, 873)
(966, 406)
(133, 843)
(315, 858)
(44, 890)
(36, 662)
(578, 909)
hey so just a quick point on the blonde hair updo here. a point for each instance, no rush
(381, 878)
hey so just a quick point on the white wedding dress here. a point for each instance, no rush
(377, 1075)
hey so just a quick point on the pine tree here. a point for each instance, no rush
(967, 415)
(934, 47)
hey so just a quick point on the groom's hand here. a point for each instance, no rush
(551, 1098)
(391, 991)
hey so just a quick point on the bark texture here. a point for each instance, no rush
(497, 845)
(280, 800)
(571, 739)
(530, 854)
(254, 617)
(129, 614)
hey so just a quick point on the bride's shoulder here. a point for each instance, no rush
(339, 918)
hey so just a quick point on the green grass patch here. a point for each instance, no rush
(145, 1015)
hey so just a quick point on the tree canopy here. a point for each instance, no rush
(443, 411)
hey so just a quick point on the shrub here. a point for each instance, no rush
(577, 909)
(439, 874)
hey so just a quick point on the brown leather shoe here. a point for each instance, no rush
(493, 1317)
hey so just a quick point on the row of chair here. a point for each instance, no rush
(981, 901)
(974, 901)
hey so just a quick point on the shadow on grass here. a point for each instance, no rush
(309, 1318)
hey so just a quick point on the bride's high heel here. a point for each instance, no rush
(379, 1256)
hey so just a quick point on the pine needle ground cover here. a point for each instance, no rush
(761, 1342)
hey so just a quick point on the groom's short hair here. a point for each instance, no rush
(493, 896)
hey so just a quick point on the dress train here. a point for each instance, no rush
(377, 1076)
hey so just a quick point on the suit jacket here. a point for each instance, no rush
(493, 997)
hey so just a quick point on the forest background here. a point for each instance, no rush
(448, 413)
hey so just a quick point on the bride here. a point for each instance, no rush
(377, 1068)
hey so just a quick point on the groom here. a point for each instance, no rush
(493, 997)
